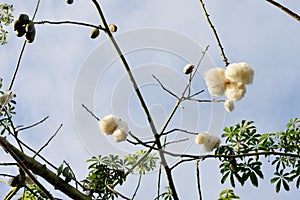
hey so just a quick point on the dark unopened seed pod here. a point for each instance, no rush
(17, 25)
(30, 36)
(29, 27)
(188, 69)
(95, 33)
(70, 1)
(113, 28)
(20, 31)
(23, 18)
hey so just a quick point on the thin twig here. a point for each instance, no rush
(181, 130)
(164, 88)
(33, 125)
(174, 142)
(36, 9)
(198, 180)
(196, 94)
(225, 60)
(86, 108)
(137, 187)
(285, 9)
(8, 164)
(70, 22)
(116, 192)
(205, 100)
(38, 152)
(181, 161)
(159, 181)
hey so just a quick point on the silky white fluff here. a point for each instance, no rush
(215, 81)
(229, 105)
(208, 140)
(240, 73)
(200, 138)
(211, 142)
(6, 98)
(108, 124)
(235, 91)
(119, 135)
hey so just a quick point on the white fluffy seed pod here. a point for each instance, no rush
(108, 124)
(211, 142)
(235, 91)
(6, 98)
(229, 105)
(188, 69)
(215, 81)
(200, 138)
(113, 28)
(119, 135)
(240, 73)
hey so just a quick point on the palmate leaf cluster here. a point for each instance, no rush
(108, 171)
(245, 147)
(6, 113)
(6, 18)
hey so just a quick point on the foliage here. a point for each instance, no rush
(166, 195)
(243, 139)
(146, 165)
(33, 192)
(6, 19)
(228, 194)
(106, 172)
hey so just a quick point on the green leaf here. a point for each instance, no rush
(253, 179)
(273, 180)
(286, 185)
(278, 185)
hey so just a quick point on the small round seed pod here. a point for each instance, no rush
(113, 28)
(29, 27)
(69, 1)
(30, 36)
(188, 69)
(95, 33)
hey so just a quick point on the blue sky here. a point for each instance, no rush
(250, 31)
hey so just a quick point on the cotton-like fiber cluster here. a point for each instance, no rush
(108, 124)
(112, 125)
(209, 141)
(240, 73)
(215, 81)
(230, 82)
(235, 91)
(229, 105)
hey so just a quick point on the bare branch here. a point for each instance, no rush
(164, 88)
(285, 9)
(198, 179)
(137, 187)
(38, 152)
(86, 108)
(181, 130)
(70, 22)
(181, 161)
(33, 125)
(225, 60)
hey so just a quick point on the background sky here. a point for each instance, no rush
(250, 31)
